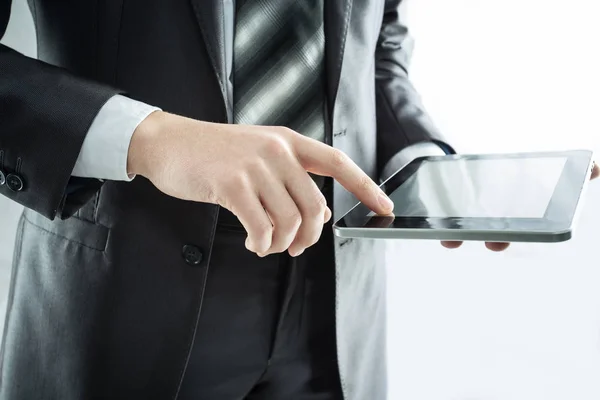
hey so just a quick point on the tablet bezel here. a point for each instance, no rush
(558, 217)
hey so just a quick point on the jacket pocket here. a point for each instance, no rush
(59, 305)
(84, 233)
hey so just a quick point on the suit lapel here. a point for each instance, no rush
(209, 14)
(337, 20)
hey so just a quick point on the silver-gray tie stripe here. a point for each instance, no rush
(279, 65)
(257, 21)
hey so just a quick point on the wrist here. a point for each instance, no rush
(142, 145)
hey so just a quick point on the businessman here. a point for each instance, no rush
(180, 162)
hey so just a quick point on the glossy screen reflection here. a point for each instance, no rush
(486, 188)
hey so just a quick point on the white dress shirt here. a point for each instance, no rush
(106, 145)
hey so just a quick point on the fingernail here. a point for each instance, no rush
(385, 202)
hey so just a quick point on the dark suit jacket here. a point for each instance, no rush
(102, 304)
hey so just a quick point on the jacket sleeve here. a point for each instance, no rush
(45, 113)
(401, 118)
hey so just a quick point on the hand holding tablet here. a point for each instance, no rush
(499, 246)
(527, 197)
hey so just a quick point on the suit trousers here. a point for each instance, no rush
(267, 325)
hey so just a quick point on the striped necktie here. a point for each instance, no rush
(279, 74)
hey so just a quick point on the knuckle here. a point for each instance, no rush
(321, 201)
(294, 219)
(255, 167)
(286, 131)
(276, 147)
(259, 246)
(317, 206)
(251, 245)
(338, 158)
(365, 183)
(235, 182)
(263, 231)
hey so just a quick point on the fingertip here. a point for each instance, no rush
(388, 211)
(497, 247)
(595, 171)
(451, 245)
(386, 205)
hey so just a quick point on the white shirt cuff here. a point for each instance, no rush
(106, 145)
(407, 155)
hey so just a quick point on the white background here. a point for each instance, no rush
(497, 76)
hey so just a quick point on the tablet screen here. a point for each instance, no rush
(523, 192)
(479, 188)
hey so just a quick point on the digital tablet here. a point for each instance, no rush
(524, 197)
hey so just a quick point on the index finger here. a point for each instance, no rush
(324, 160)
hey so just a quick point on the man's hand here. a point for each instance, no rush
(595, 171)
(258, 173)
(504, 246)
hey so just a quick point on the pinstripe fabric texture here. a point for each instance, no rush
(279, 75)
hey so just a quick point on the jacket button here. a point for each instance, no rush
(2, 178)
(14, 182)
(192, 254)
